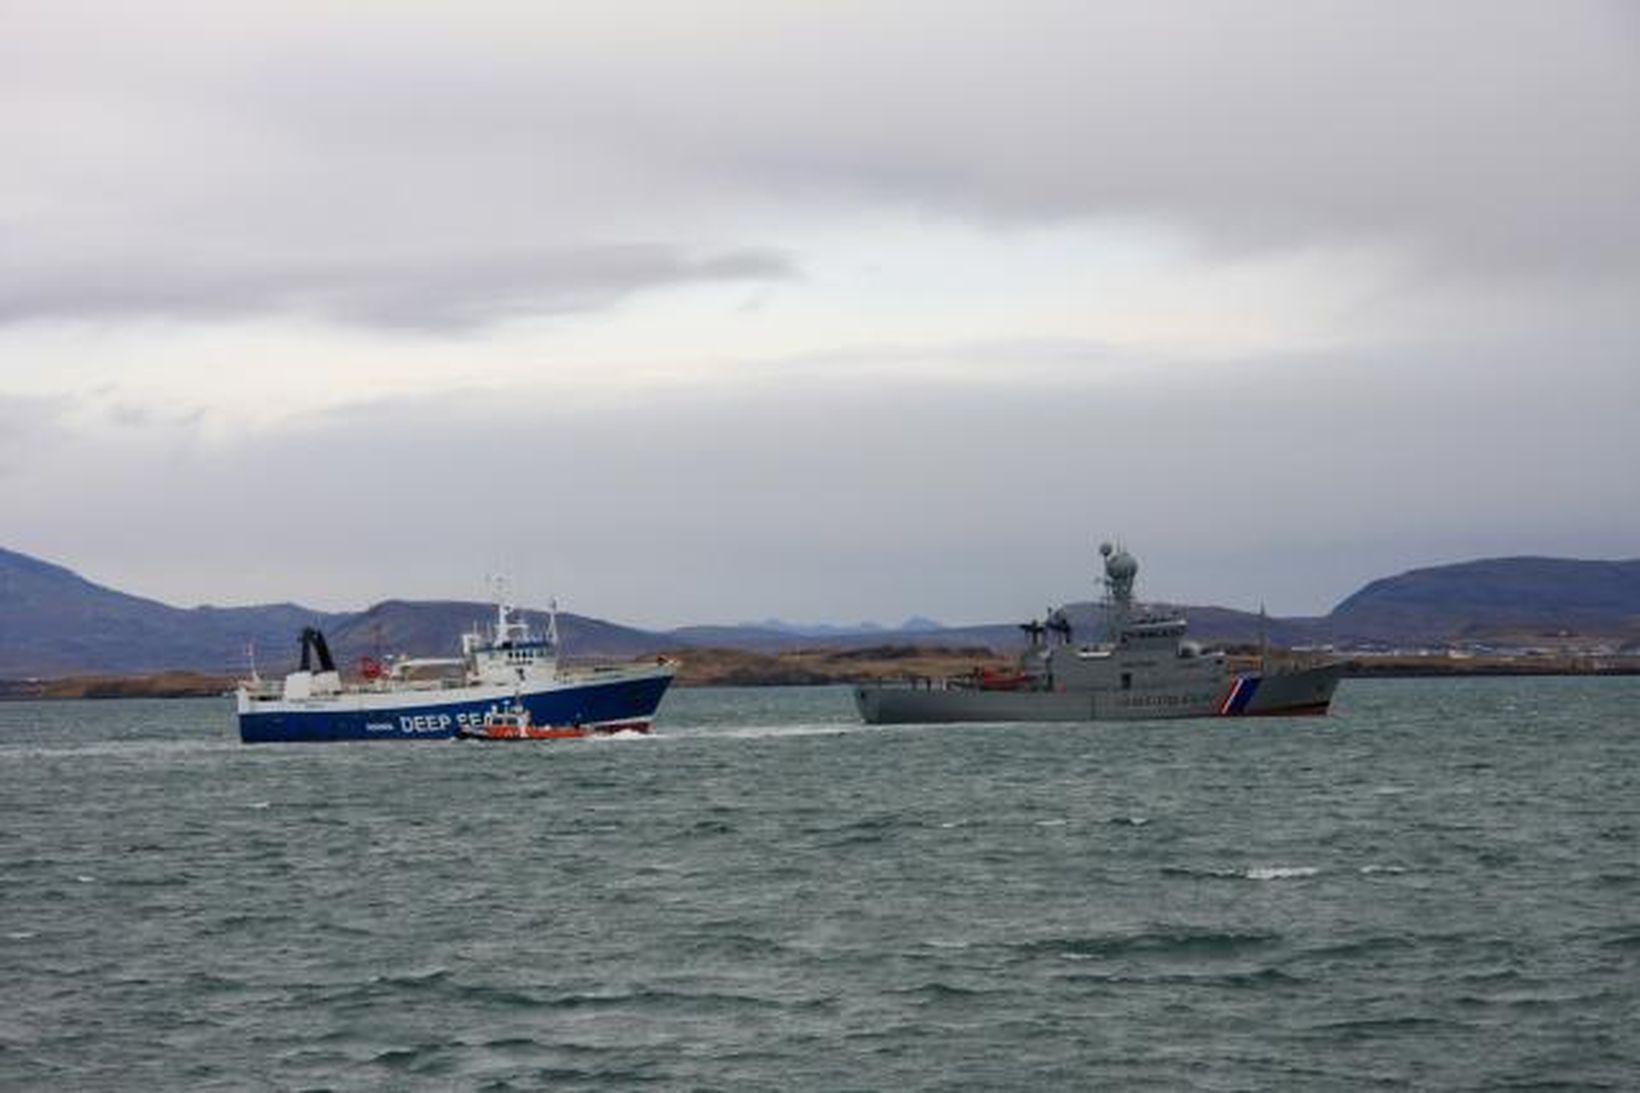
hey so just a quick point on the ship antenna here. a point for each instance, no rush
(552, 624)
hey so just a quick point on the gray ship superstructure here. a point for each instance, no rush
(1146, 668)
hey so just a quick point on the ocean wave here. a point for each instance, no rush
(1163, 942)
(1537, 999)
(1261, 978)
(1629, 939)
(1357, 948)
(723, 939)
(510, 1043)
(162, 880)
(651, 997)
(863, 831)
(494, 996)
(1373, 1027)
(773, 732)
(1281, 872)
(414, 980)
(126, 749)
(380, 990)
(936, 991)
(245, 921)
(1252, 872)
(415, 1058)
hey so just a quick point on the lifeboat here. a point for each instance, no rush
(993, 679)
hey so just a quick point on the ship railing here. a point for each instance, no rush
(263, 690)
(920, 683)
(570, 668)
(969, 681)
(433, 684)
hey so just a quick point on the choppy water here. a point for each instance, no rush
(1438, 886)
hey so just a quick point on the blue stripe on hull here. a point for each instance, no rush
(593, 703)
(1244, 694)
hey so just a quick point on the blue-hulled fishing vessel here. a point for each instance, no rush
(508, 668)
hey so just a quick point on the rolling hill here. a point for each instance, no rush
(54, 622)
(1500, 599)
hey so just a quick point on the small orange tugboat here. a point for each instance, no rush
(513, 723)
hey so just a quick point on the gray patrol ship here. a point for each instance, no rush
(1146, 668)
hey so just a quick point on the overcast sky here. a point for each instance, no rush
(837, 311)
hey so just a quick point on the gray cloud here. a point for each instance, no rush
(415, 164)
(1493, 137)
(444, 292)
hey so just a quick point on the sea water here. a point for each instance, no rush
(1436, 886)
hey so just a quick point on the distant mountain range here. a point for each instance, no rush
(915, 624)
(54, 622)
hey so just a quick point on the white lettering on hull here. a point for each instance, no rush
(424, 723)
(1154, 701)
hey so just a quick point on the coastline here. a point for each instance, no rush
(819, 667)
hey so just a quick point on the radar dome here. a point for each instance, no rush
(1121, 566)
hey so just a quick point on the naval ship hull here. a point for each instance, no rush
(1300, 692)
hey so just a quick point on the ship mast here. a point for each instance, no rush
(1120, 570)
(498, 592)
(1263, 640)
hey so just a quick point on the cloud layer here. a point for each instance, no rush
(477, 162)
(432, 292)
(830, 310)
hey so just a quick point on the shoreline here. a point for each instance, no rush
(821, 667)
